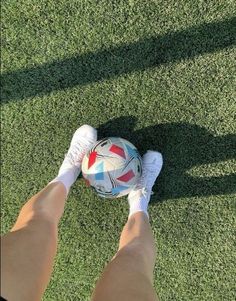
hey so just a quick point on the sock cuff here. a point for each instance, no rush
(67, 177)
(64, 181)
(138, 205)
(133, 212)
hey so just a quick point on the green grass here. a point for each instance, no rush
(160, 75)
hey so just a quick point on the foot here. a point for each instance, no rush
(139, 197)
(82, 140)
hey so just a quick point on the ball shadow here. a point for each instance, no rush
(184, 146)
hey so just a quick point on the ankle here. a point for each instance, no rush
(139, 215)
(67, 177)
(138, 204)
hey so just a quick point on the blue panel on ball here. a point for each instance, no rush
(100, 167)
(118, 189)
(99, 176)
(132, 152)
(100, 172)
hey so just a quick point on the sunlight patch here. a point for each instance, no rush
(223, 168)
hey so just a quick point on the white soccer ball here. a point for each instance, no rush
(112, 167)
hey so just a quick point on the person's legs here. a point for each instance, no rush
(129, 275)
(29, 249)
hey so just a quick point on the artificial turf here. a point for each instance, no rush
(160, 74)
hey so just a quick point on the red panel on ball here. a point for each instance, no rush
(126, 177)
(117, 150)
(92, 159)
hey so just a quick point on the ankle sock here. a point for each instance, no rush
(67, 177)
(138, 203)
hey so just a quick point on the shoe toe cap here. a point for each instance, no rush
(87, 131)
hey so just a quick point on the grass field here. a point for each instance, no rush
(158, 73)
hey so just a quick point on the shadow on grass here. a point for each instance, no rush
(115, 61)
(183, 146)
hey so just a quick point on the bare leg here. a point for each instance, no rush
(29, 249)
(129, 275)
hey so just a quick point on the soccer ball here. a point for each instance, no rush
(112, 167)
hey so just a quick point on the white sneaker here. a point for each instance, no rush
(152, 165)
(82, 140)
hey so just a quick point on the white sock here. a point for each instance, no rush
(138, 203)
(67, 176)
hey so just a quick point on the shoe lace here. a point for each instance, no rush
(77, 151)
(144, 185)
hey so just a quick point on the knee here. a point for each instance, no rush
(36, 220)
(31, 212)
(136, 261)
(136, 251)
(138, 248)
